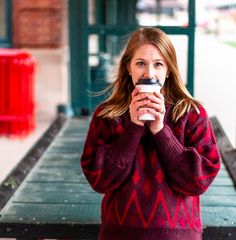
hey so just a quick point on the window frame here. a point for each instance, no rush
(80, 82)
(6, 41)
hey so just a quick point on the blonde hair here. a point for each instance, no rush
(175, 91)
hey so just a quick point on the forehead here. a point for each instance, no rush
(147, 51)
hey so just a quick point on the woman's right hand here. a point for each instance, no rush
(138, 100)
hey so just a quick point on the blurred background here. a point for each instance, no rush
(73, 48)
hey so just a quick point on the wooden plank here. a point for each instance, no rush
(218, 216)
(58, 197)
(65, 163)
(51, 213)
(223, 173)
(50, 157)
(71, 230)
(220, 190)
(58, 161)
(71, 128)
(218, 200)
(223, 181)
(52, 186)
(226, 149)
(66, 149)
(47, 175)
(219, 233)
(19, 173)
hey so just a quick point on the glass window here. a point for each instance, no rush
(93, 50)
(162, 12)
(104, 53)
(113, 46)
(141, 12)
(91, 13)
(180, 43)
(2, 18)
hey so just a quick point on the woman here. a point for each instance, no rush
(151, 172)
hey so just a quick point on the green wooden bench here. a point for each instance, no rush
(47, 195)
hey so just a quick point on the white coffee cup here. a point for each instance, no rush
(148, 85)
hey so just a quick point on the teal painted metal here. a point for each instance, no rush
(119, 21)
(111, 19)
(191, 46)
(7, 40)
(79, 67)
(9, 21)
(99, 15)
(118, 30)
(101, 19)
(126, 13)
(111, 12)
(130, 11)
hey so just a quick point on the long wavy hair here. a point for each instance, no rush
(174, 89)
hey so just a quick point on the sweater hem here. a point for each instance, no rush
(116, 232)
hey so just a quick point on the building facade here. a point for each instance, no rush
(40, 28)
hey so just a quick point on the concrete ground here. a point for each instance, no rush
(50, 90)
(14, 149)
(215, 83)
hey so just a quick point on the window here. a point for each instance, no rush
(106, 25)
(160, 12)
(5, 23)
(3, 19)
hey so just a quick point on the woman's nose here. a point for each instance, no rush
(149, 72)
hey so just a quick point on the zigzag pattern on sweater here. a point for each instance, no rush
(159, 202)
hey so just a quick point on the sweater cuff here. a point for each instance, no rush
(168, 145)
(127, 144)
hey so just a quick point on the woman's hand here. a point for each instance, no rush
(138, 100)
(156, 106)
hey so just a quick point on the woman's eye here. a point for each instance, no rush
(140, 64)
(158, 64)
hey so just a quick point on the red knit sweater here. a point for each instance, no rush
(151, 182)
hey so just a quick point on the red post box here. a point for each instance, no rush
(17, 111)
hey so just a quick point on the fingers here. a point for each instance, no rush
(156, 102)
(142, 103)
(159, 95)
(157, 107)
(156, 97)
(135, 91)
(137, 101)
(140, 97)
(158, 115)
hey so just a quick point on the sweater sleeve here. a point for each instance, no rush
(107, 159)
(191, 167)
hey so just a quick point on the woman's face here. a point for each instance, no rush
(148, 62)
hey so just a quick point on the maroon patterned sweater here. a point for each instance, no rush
(151, 182)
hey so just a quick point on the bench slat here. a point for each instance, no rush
(51, 213)
(52, 186)
(218, 216)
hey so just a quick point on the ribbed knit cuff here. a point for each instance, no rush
(168, 145)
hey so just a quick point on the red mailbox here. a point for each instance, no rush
(17, 115)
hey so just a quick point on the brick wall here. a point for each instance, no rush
(39, 23)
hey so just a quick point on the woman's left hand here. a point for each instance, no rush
(157, 108)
